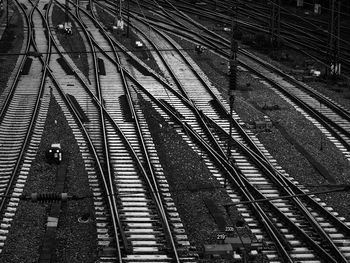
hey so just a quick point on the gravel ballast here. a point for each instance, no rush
(11, 43)
(73, 44)
(251, 96)
(190, 182)
(75, 242)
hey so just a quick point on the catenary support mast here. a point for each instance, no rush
(233, 73)
(333, 68)
(275, 22)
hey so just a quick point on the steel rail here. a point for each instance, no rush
(106, 173)
(306, 213)
(291, 42)
(152, 184)
(106, 145)
(189, 102)
(35, 109)
(318, 116)
(261, 157)
(281, 183)
(175, 114)
(252, 191)
(16, 77)
(89, 140)
(341, 111)
(96, 100)
(285, 32)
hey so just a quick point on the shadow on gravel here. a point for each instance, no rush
(315, 164)
(6, 42)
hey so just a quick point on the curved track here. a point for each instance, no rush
(23, 115)
(323, 111)
(139, 206)
(135, 216)
(253, 170)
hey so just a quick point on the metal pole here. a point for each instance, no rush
(333, 69)
(233, 74)
(128, 29)
(120, 10)
(275, 23)
(7, 13)
(232, 98)
(66, 13)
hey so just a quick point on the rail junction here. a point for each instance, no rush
(123, 77)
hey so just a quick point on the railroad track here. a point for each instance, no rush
(123, 138)
(308, 36)
(320, 109)
(261, 181)
(139, 215)
(138, 210)
(23, 114)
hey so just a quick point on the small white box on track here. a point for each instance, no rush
(138, 44)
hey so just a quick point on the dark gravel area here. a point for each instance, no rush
(75, 242)
(10, 43)
(190, 181)
(73, 44)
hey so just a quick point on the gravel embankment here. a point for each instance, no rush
(75, 242)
